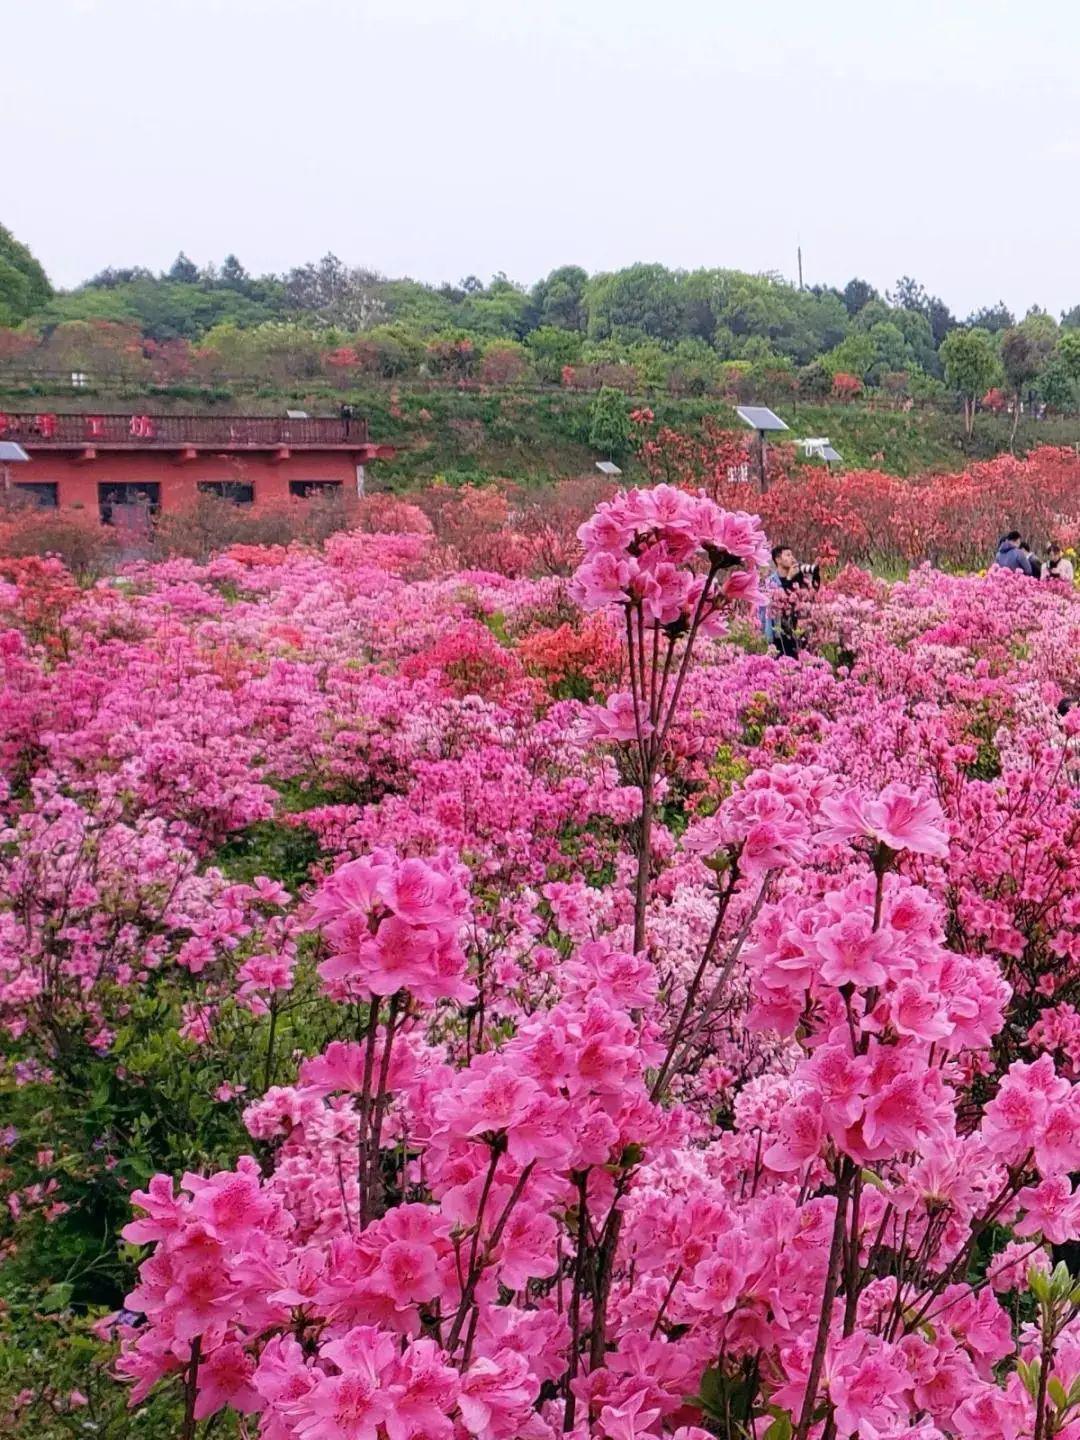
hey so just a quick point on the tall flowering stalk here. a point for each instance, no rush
(675, 565)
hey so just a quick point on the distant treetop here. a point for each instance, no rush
(643, 325)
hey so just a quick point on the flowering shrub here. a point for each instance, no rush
(440, 1003)
(866, 516)
(846, 387)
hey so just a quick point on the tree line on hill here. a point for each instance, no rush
(706, 331)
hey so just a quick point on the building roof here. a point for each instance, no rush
(82, 430)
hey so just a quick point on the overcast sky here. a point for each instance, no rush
(437, 138)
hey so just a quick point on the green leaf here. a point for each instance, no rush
(780, 1429)
(1061, 1281)
(56, 1297)
(1038, 1284)
(1029, 1376)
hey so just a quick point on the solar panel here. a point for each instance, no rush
(9, 452)
(759, 417)
(830, 455)
(296, 415)
(607, 467)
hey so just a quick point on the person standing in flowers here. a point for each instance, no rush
(786, 582)
(1058, 566)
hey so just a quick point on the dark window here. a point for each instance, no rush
(234, 490)
(307, 489)
(44, 494)
(129, 505)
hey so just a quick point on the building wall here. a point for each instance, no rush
(179, 480)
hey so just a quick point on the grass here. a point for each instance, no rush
(532, 436)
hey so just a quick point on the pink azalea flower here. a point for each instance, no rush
(497, 1392)
(1052, 1210)
(617, 720)
(629, 1421)
(224, 1379)
(802, 1129)
(902, 818)
(851, 952)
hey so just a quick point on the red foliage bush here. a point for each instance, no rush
(468, 660)
(865, 515)
(580, 662)
(86, 547)
(472, 525)
(596, 376)
(503, 365)
(994, 400)
(383, 512)
(846, 387)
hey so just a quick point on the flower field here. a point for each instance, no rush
(439, 1003)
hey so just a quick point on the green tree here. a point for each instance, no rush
(991, 318)
(858, 293)
(639, 303)
(970, 367)
(695, 367)
(815, 380)
(112, 276)
(891, 351)
(853, 356)
(610, 429)
(551, 348)
(1025, 350)
(1040, 326)
(331, 293)
(502, 309)
(24, 286)
(233, 275)
(560, 298)
(940, 319)
(908, 294)
(919, 338)
(1068, 351)
(184, 271)
(394, 349)
(1057, 385)
(424, 310)
(798, 324)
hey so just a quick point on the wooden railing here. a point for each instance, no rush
(141, 432)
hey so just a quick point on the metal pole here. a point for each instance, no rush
(761, 462)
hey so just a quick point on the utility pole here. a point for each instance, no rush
(763, 474)
(800, 267)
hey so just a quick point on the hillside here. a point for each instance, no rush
(713, 333)
(537, 435)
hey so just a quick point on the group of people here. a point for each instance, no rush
(1014, 553)
(789, 583)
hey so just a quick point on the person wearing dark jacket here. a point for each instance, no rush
(1033, 560)
(780, 617)
(1009, 555)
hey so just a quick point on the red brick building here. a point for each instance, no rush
(113, 465)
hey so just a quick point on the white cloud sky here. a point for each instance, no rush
(441, 137)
